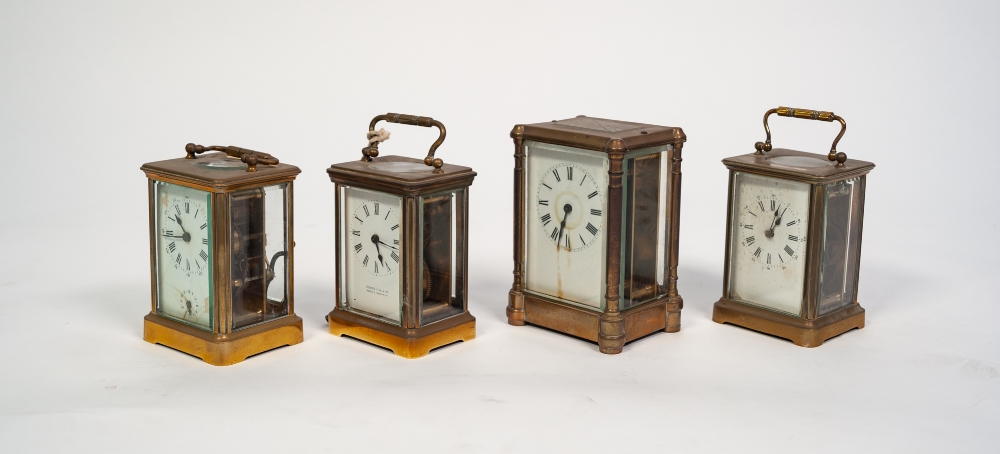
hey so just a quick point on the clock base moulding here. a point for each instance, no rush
(409, 343)
(223, 349)
(804, 333)
(629, 325)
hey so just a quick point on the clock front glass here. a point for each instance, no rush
(183, 239)
(371, 253)
(767, 243)
(566, 197)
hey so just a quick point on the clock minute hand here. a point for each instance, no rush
(377, 251)
(386, 245)
(567, 209)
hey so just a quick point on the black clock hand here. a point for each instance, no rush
(567, 209)
(173, 236)
(386, 245)
(770, 230)
(187, 236)
(376, 241)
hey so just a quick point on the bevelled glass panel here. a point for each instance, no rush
(259, 238)
(371, 253)
(841, 231)
(442, 230)
(645, 249)
(182, 219)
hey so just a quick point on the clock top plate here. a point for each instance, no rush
(599, 134)
(798, 165)
(400, 174)
(218, 171)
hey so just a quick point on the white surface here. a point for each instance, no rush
(90, 91)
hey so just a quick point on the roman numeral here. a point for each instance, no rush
(546, 220)
(793, 238)
(196, 211)
(177, 209)
(357, 248)
(582, 180)
(756, 253)
(356, 232)
(171, 247)
(376, 208)
(203, 255)
(748, 226)
(592, 229)
(569, 173)
(768, 258)
(779, 258)
(555, 232)
(187, 207)
(581, 239)
(772, 205)
(556, 173)
(761, 203)
(204, 241)
(394, 256)
(359, 219)
(396, 242)
(178, 261)
(543, 202)
(395, 227)
(550, 187)
(750, 240)
(188, 263)
(198, 265)
(750, 212)
(567, 243)
(595, 212)
(792, 223)
(203, 226)
(366, 210)
(387, 214)
(592, 195)
(365, 261)
(168, 232)
(789, 250)
(376, 267)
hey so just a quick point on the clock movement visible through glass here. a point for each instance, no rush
(184, 254)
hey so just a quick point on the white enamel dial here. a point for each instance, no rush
(570, 206)
(564, 212)
(767, 250)
(371, 253)
(183, 239)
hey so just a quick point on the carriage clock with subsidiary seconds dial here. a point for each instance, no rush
(221, 265)
(597, 205)
(402, 247)
(794, 239)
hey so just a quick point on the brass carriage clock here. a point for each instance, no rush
(220, 242)
(793, 242)
(596, 212)
(402, 247)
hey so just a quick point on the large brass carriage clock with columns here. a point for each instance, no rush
(596, 215)
(220, 241)
(402, 247)
(793, 243)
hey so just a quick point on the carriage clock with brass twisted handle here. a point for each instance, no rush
(402, 247)
(220, 237)
(793, 242)
(596, 224)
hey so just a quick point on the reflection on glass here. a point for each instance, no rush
(258, 223)
(442, 232)
(841, 227)
(644, 230)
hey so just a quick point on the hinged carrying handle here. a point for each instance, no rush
(250, 157)
(371, 150)
(808, 115)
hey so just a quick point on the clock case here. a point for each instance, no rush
(811, 328)
(611, 328)
(420, 330)
(224, 345)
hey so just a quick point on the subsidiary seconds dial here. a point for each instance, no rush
(374, 238)
(569, 207)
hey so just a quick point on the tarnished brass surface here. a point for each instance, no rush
(223, 349)
(408, 343)
(635, 323)
(808, 115)
(193, 173)
(371, 151)
(764, 165)
(804, 333)
(249, 157)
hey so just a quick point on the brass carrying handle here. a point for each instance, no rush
(371, 151)
(808, 115)
(250, 157)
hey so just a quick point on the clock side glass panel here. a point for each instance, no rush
(768, 242)
(841, 244)
(259, 239)
(566, 203)
(442, 228)
(371, 253)
(645, 224)
(183, 232)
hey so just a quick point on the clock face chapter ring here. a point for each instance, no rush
(569, 207)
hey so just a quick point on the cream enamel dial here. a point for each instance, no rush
(183, 256)
(371, 253)
(374, 237)
(570, 207)
(767, 250)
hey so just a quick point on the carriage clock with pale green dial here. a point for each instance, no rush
(220, 228)
(793, 242)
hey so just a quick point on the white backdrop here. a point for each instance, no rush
(89, 91)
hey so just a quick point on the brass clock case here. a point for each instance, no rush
(813, 325)
(613, 325)
(225, 177)
(423, 325)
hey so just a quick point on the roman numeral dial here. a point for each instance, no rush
(770, 227)
(184, 233)
(183, 254)
(373, 236)
(570, 207)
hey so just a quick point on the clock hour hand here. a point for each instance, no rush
(379, 252)
(777, 218)
(187, 236)
(567, 209)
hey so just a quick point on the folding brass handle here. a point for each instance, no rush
(808, 115)
(371, 150)
(250, 157)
